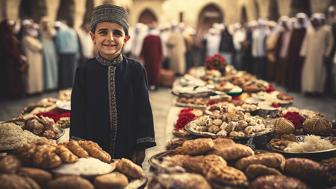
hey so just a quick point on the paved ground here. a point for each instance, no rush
(161, 101)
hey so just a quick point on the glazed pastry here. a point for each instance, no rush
(196, 147)
(256, 170)
(95, 150)
(179, 180)
(75, 148)
(273, 160)
(66, 155)
(70, 182)
(277, 181)
(12, 181)
(330, 167)
(226, 175)
(114, 180)
(42, 177)
(233, 151)
(130, 169)
(304, 169)
(51, 160)
(9, 164)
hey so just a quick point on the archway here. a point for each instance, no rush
(243, 16)
(147, 16)
(209, 15)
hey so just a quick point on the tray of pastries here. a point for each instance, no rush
(198, 102)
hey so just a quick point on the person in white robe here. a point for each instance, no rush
(176, 50)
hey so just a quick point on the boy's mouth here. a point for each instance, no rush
(109, 45)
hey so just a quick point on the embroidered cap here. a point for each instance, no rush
(109, 13)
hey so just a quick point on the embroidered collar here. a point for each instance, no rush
(106, 62)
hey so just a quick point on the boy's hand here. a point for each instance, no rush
(139, 157)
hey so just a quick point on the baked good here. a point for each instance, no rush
(75, 148)
(12, 181)
(283, 126)
(232, 151)
(330, 167)
(95, 150)
(9, 164)
(256, 170)
(40, 176)
(113, 180)
(179, 180)
(317, 125)
(66, 155)
(304, 169)
(226, 175)
(273, 160)
(196, 147)
(223, 141)
(129, 168)
(277, 181)
(70, 182)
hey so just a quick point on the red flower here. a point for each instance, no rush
(270, 88)
(184, 117)
(295, 118)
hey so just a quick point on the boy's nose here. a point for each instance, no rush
(110, 36)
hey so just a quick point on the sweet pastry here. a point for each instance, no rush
(256, 170)
(95, 150)
(9, 164)
(304, 169)
(66, 155)
(226, 175)
(196, 147)
(273, 160)
(75, 148)
(179, 180)
(277, 181)
(70, 182)
(232, 151)
(40, 176)
(114, 180)
(130, 169)
(12, 181)
(330, 167)
(317, 125)
(174, 143)
(283, 126)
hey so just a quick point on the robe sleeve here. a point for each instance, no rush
(329, 43)
(145, 128)
(77, 125)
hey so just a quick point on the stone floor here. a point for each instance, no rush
(162, 101)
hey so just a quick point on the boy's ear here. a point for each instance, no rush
(92, 36)
(127, 37)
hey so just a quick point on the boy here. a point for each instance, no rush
(109, 102)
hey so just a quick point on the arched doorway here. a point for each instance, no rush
(243, 16)
(147, 16)
(209, 15)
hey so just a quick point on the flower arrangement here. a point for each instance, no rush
(216, 62)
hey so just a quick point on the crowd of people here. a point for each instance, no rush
(298, 53)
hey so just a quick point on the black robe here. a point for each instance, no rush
(110, 105)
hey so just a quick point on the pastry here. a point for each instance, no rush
(130, 169)
(9, 164)
(75, 148)
(317, 125)
(283, 126)
(113, 180)
(233, 151)
(273, 160)
(195, 147)
(66, 155)
(330, 167)
(256, 170)
(304, 169)
(70, 182)
(95, 150)
(226, 175)
(12, 181)
(277, 181)
(40, 176)
(179, 180)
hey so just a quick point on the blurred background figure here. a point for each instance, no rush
(50, 66)
(33, 50)
(13, 63)
(176, 50)
(86, 47)
(152, 56)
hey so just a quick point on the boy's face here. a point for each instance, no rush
(109, 39)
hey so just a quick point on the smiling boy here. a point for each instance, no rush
(110, 103)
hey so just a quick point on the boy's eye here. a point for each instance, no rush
(102, 32)
(117, 33)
